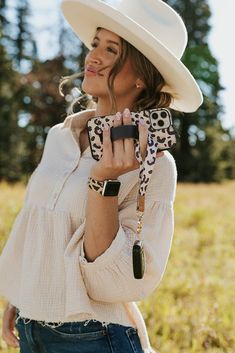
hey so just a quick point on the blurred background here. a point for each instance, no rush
(192, 311)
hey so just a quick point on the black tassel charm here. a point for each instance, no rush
(138, 259)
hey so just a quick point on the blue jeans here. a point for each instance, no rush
(77, 337)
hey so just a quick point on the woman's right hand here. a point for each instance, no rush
(8, 325)
(119, 156)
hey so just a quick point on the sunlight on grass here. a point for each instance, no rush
(192, 311)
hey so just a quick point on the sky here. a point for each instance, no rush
(220, 41)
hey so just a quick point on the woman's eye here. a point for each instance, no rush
(111, 50)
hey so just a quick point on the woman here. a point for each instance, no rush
(69, 280)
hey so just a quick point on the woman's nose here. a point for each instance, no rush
(95, 60)
(95, 56)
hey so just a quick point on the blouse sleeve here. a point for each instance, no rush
(110, 277)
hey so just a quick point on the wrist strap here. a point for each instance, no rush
(145, 173)
(146, 169)
(95, 185)
(103, 187)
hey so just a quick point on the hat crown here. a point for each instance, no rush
(159, 19)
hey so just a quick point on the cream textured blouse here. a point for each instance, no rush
(43, 271)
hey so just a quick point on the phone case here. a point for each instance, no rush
(158, 121)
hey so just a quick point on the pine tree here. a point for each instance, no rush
(14, 50)
(9, 167)
(26, 49)
(193, 128)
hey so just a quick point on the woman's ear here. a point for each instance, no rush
(139, 84)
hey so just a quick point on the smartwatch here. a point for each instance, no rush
(105, 188)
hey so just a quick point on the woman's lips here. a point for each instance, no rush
(91, 72)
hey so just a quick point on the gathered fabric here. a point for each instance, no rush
(43, 269)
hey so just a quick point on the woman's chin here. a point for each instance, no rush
(89, 90)
(93, 89)
(94, 92)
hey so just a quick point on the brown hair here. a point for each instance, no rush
(149, 98)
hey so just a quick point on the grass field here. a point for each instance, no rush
(192, 311)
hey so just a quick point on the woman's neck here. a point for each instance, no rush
(104, 106)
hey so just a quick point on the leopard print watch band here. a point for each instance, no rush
(104, 188)
(96, 185)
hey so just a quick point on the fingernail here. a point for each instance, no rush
(118, 116)
(106, 127)
(126, 112)
(142, 122)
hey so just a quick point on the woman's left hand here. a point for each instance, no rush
(119, 156)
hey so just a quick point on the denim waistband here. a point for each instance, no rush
(53, 324)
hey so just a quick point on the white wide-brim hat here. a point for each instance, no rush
(152, 27)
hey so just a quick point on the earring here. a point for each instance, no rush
(138, 85)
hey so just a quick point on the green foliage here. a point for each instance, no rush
(23, 47)
(200, 153)
(12, 95)
(214, 157)
(8, 122)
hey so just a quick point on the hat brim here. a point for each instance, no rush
(85, 16)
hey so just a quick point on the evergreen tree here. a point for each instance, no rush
(193, 128)
(26, 49)
(9, 130)
(14, 49)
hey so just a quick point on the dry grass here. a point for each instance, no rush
(192, 310)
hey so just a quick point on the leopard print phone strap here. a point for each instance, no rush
(145, 173)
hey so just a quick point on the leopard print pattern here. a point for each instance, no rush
(161, 136)
(158, 121)
(95, 185)
(146, 165)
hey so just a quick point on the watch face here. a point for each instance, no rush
(111, 188)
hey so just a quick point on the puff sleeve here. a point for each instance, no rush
(110, 277)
